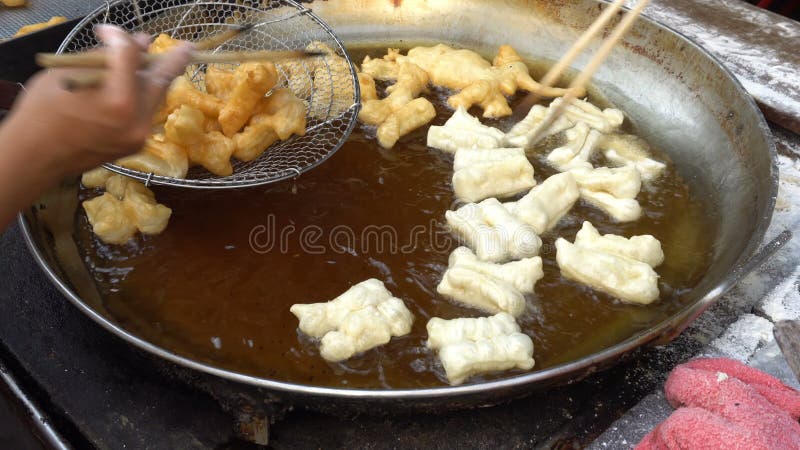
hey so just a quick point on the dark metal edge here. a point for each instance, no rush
(42, 425)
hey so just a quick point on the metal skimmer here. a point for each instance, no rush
(328, 85)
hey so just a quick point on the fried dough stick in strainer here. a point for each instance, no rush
(187, 127)
(277, 117)
(251, 81)
(219, 81)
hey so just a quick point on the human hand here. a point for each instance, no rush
(63, 132)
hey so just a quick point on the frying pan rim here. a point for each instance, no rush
(575, 368)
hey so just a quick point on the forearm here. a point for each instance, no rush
(25, 172)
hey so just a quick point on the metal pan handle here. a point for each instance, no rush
(740, 272)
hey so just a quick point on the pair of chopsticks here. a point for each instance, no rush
(579, 83)
(202, 55)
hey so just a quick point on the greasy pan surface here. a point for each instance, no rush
(679, 99)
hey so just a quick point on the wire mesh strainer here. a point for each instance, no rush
(327, 85)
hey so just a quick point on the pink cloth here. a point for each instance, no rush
(768, 386)
(723, 404)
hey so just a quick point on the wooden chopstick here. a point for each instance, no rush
(212, 42)
(95, 78)
(98, 60)
(578, 85)
(551, 77)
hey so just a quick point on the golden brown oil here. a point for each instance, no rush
(212, 288)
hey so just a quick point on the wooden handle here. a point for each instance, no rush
(218, 39)
(98, 60)
(86, 80)
(95, 78)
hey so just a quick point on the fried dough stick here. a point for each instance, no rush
(479, 81)
(411, 116)
(159, 156)
(251, 81)
(411, 80)
(211, 149)
(507, 75)
(277, 118)
(219, 81)
(368, 91)
(183, 92)
(384, 69)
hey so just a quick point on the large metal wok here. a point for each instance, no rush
(677, 95)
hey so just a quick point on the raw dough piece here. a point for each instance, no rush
(620, 209)
(621, 182)
(581, 111)
(547, 203)
(627, 149)
(644, 248)
(484, 173)
(442, 333)
(523, 132)
(481, 291)
(581, 143)
(488, 286)
(468, 347)
(492, 232)
(468, 157)
(612, 190)
(364, 317)
(463, 131)
(522, 274)
(628, 279)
